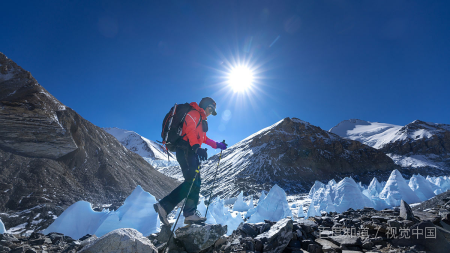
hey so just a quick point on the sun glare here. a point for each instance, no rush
(240, 78)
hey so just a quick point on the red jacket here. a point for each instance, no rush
(192, 127)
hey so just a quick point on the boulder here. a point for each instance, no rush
(121, 241)
(196, 238)
(406, 211)
(346, 240)
(278, 237)
(327, 246)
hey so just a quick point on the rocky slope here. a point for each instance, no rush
(419, 146)
(293, 154)
(51, 157)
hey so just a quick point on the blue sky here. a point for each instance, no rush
(124, 64)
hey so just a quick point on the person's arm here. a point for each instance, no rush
(215, 144)
(189, 127)
(211, 143)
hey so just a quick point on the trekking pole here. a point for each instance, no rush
(214, 181)
(181, 210)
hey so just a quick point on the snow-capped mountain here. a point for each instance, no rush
(292, 154)
(151, 151)
(417, 145)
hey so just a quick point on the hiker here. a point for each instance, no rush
(188, 153)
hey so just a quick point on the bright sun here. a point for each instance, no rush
(240, 78)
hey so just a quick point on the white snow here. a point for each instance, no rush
(144, 147)
(373, 134)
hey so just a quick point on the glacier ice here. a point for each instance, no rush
(77, 220)
(240, 205)
(263, 196)
(396, 189)
(317, 185)
(348, 194)
(312, 211)
(2, 227)
(421, 187)
(137, 212)
(300, 212)
(274, 207)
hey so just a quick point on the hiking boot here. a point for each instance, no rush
(162, 214)
(194, 219)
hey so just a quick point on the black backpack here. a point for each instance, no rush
(173, 125)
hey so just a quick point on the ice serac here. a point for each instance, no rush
(137, 212)
(54, 157)
(348, 194)
(417, 145)
(274, 207)
(292, 154)
(78, 220)
(240, 205)
(2, 227)
(397, 189)
(421, 187)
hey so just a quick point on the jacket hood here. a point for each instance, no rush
(199, 109)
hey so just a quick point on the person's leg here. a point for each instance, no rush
(192, 200)
(179, 193)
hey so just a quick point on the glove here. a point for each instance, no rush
(201, 152)
(222, 145)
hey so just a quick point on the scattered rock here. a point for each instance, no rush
(278, 237)
(196, 238)
(121, 240)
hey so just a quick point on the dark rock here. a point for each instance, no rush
(314, 248)
(308, 226)
(346, 240)
(4, 249)
(221, 241)
(85, 237)
(406, 211)
(264, 228)
(327, 246)
(37, 242)
(278, 237)
(306, 243)
(295, 244)
(394, 223)
(56, 237)
(196, 238)
(417, 236)
(259, 245)
(164, 234)
(248, 244)
(248, 229)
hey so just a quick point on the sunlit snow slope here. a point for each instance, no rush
(151, 151)
(417, 145)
